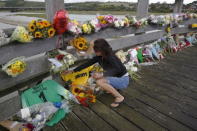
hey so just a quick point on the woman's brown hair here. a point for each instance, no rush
(101, 45)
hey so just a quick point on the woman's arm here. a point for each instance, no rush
(87, 64)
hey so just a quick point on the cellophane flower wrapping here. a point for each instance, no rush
(60, 60)
(74, 27)
(15, 67)
(20, 34)
(95, 25)
(122, 56)
(119, 23)
(4, 40)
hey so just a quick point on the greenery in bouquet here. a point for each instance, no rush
(4, 40)
(41, 29)
(20, 34)
(15, 66)
(80, 43)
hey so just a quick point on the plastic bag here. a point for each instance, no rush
(60, 21)
(15, 67)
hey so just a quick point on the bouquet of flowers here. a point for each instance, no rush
(132, 69)
(95, 25)
(86, 28)
(3, 38)
(61, 60)
(110, 19)
(15, 66)
(119, 23)
(132, 19)
(41, 29)
(102, 21)
(122, 55)
(132, 53)
(20, 34)
(126, 21)
(83, 95)
(74, 28)
(80, 43)
(142, 22)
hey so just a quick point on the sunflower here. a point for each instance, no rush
(100, 17)
(92, 98)
(80, 43)
(38, 34)
(46, 23)
(103, 21)
(75, 90)
(17, 67)
(51, 32)
(31, 27)
(39, 25)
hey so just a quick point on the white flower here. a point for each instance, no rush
(116, 24)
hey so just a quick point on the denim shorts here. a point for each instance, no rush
(118, 82)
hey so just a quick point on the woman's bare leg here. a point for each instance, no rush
(107, 87)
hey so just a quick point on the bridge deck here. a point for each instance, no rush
(165, 98)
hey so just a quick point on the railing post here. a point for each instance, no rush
(178, 6)
(52, 6)
(142, 8)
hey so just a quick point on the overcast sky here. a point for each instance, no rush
(151, 1)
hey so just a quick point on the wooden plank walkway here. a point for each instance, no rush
(165, 98)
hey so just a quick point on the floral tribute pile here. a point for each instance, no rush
(82, 84)
(151, 53)
(43, 29)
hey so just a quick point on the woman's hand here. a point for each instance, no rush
(97, 75)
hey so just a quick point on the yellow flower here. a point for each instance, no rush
(80, 43)
(103, 21)
(33, 22)
(38, 34)
(51, 32)
(17, 67)
(75, 22)
(75, 90)
(82, 94)
(92, 98)
(85, 28)
(100, 17)
(39, 25)
(46, 23)
(31, 27)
